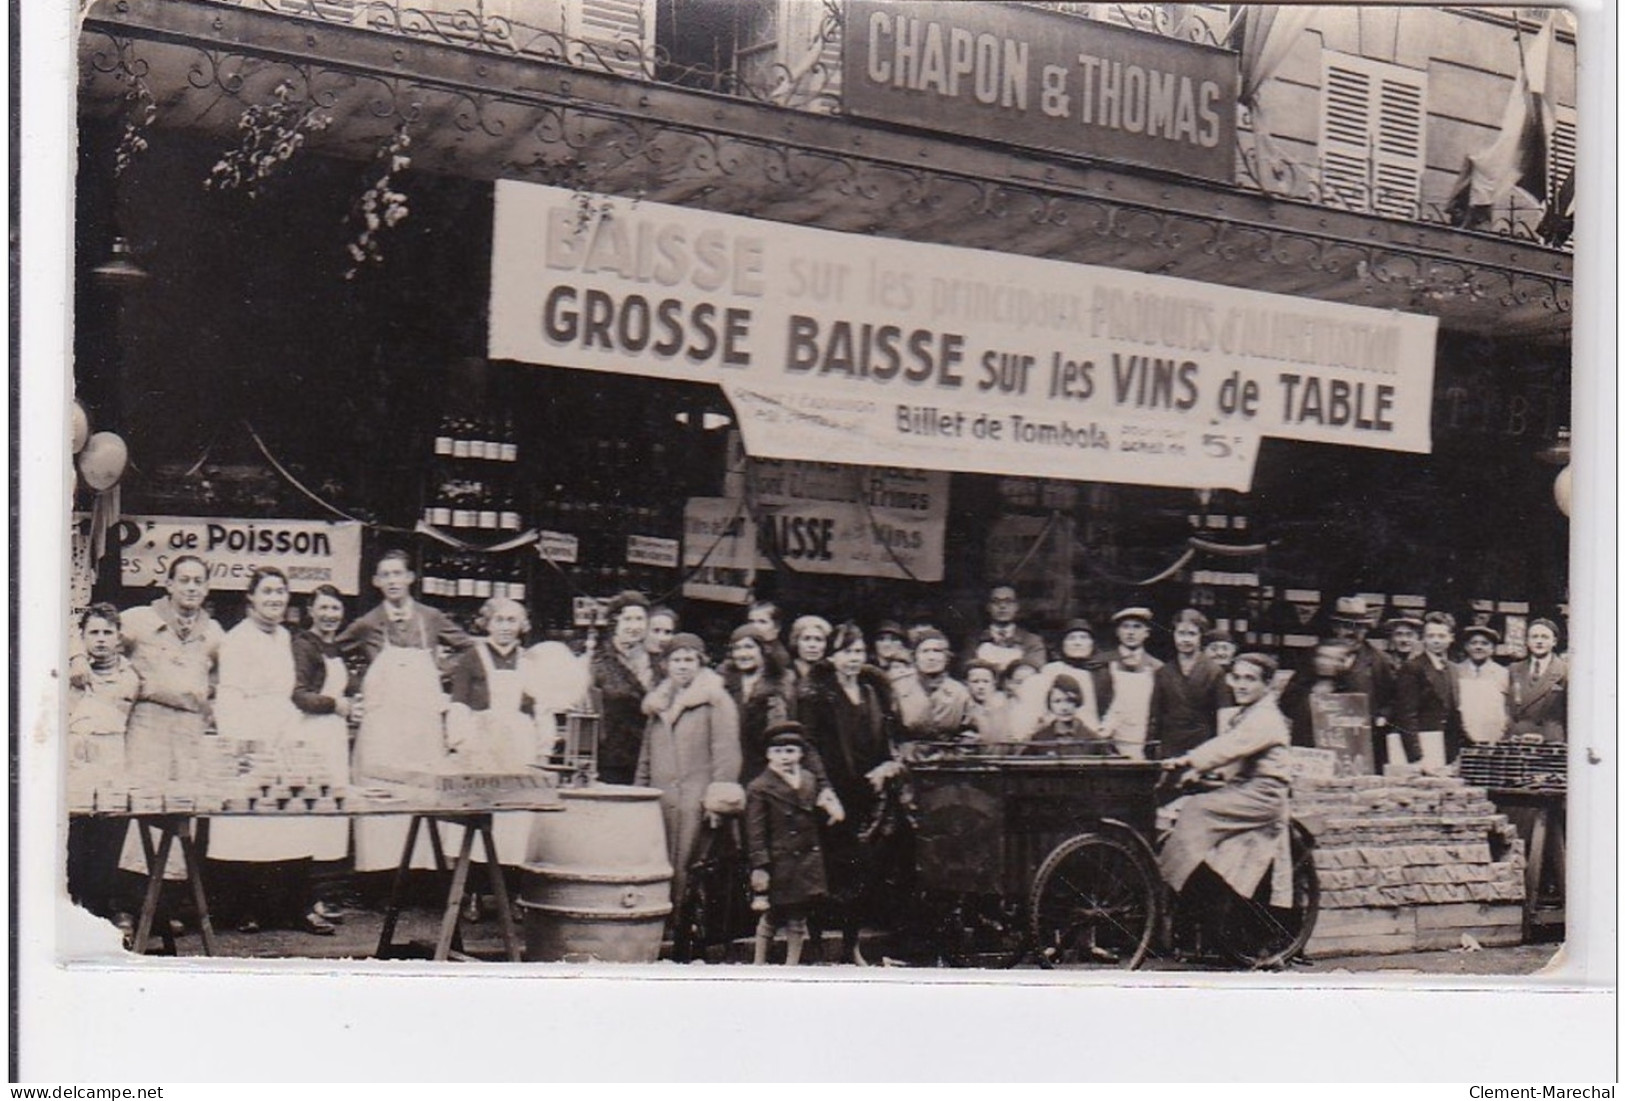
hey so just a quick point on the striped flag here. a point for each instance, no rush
(1519, 155)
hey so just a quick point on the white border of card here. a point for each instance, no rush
(153, 1022)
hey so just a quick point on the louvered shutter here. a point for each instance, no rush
(1345, 134)
(1372, 148)
(1561, 161)
(1398, 152)
(614, 35)
(332, 11)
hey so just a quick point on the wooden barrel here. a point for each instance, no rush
(596, 885)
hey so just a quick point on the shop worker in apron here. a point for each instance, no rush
(323, 694)
(261, 865)
(491, 725)
(1129, 719)
(1482, 686)
(173, 644)
(404, 724)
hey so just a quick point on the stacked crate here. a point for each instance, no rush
(1410, 863)
(1510, 765)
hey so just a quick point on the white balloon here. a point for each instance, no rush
(102, 461)
(81, 427)
(1563, 489)
(554, 676)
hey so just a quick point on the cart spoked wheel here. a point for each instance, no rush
(1262, 937)
(1094, 903)
(984, 931)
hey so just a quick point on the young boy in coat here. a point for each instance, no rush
(781, 830)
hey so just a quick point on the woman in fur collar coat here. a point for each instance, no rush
(690, 751)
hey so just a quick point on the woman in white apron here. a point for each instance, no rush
(262, 864)
(321, 693)
(491, 725)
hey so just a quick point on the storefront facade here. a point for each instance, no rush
(285, 359)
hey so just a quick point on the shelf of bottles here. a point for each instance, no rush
(1227, 589)
(605, 490)
(475, 494)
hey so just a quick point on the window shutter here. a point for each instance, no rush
(1345, 134)
(1372, 148)
(333, 11)
(1398, 151)
(1561, 161)
(613, 35)
(802, 20)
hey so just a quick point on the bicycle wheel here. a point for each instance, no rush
(1094, 903)
(1262, 937)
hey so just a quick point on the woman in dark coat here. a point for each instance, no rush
(760, 689)
(852, 722)
(622, 674)
(1189, 690)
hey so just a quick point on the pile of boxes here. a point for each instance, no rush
(232, 775)
(1410, 863)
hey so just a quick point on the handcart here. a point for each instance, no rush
(1019, 854)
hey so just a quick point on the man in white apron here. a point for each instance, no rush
(1482, 687)
(404, 725)
(1133, 671)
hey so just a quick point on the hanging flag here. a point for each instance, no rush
(1519, 155)
(1557, 224)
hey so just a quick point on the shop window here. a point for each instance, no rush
(1372, 140)
(781, 51)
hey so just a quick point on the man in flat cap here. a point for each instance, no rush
(1538, 692)
(1482, 686)
(1128, 720)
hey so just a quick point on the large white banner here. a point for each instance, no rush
(310, 552)
(846, 348)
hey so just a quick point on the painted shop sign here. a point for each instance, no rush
(844, 348)
(813, 536)
(1016, 75)
(310, 552)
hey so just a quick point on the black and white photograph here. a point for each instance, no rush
(1065, 488)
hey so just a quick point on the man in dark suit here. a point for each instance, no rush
(1537, 701)
(1426, 696)
(1004, 642)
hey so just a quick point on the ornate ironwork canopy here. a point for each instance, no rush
(475, 112)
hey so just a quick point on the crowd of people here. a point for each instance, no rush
(804, 729)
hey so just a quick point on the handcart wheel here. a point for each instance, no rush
(1095, 903)
(1262, 937)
